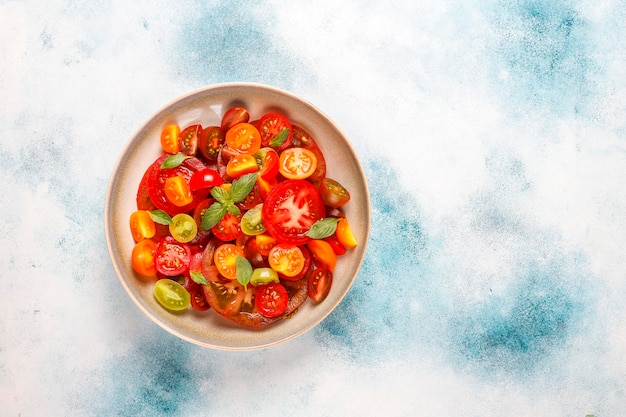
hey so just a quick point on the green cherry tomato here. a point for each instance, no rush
(252, 221)
(262, 276)
(171, 295)
(183, 228)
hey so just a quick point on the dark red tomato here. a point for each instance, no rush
(233, 116)
(210, 141)
(228, 228)
(198, 300)
(158, 177)
(290, 209)
(271, 299)
(143, 197)
(318, 284)
(188, 139)
(305, 268)
(252, 199)
(270, 125)
(205, 178)
(172, 257)
(303, 139)
(229, 299)
(334, 243)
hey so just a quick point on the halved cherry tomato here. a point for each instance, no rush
(143, 258)
(210, 142)
(225, 257)
(156, 183)
(268, 160)
(252, 221)
(228, 228)
(205, 178)
(198, 300)
(171, 295)
(337, 246)
(333, 194)
(297, 163)
(319, 282)
(233, 116)
(290, 209)
(253, 199)
(243, 137)
(177, 191)
(305, 268)
(183, 227)
(188, 139)
(241, 164)
(171, 257)
(344, 234)
(270, 125)
(271, 299)
(200, 209)
(141, 225)
(265, 243)
(322, 253)
(303, 139)
(286, 259)
(169, 139)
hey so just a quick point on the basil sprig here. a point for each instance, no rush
(225, 200)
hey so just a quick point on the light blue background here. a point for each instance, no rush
(493, 137)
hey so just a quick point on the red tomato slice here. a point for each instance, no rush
(188, 139)
(156, 184)
(318, 284)
(198, 300)
(271, 299)
(304, 139)
(210, 141)
(290, 209)
(305, 269)
(270, 125)
(229, 299)
(172, 257)
(228, 228)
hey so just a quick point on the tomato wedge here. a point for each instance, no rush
(290, 209)
(188, 139)
(319, 283)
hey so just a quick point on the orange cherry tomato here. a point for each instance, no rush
(241, 164)
(169, 139)
(143, 258)
(286, 259)
(177, 191)
(243, 137)
(297, 163)
(265, 242)
(141, 225)
(344, 234)
(225, 257)
(323, 253)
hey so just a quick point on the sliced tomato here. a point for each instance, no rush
(265, 243)
(297, 163)
(265, 186)
(143, 196)
(177, 191)
(169, 139)
(188, 139)
(225, 257)
(270, 126)
(307, 265)
(198, 300)
(210, 142)
(303, 139)
(272, 299)
(319, 282)
(171, 257)
(228, 228)
(143, 258)
(268, 160)
(241, 164)
(141, 225)
(323, 253)
(183, 228)
(244, 138)
(333, 194)
(286, 259)
(290, 209)
(233, 116)
(337, 246)
(200, 209)
(344, 234)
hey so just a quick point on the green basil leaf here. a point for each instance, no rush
(233, 209)
(241, 187)
(213, 215)
(198, 277)
(220, 194)
(323, 228)
(280, 138)
(173, 161)
(244, 271)
(160, 217)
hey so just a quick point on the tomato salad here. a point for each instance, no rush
(239, 218)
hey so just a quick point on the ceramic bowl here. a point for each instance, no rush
(206, 106)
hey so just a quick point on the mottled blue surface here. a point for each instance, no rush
(493, 138)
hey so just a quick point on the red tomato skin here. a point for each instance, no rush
(319, 282)
(270, 125)
(271, 299)
(281, 205)
(171, 257)
(233, 116)
(228, 228)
